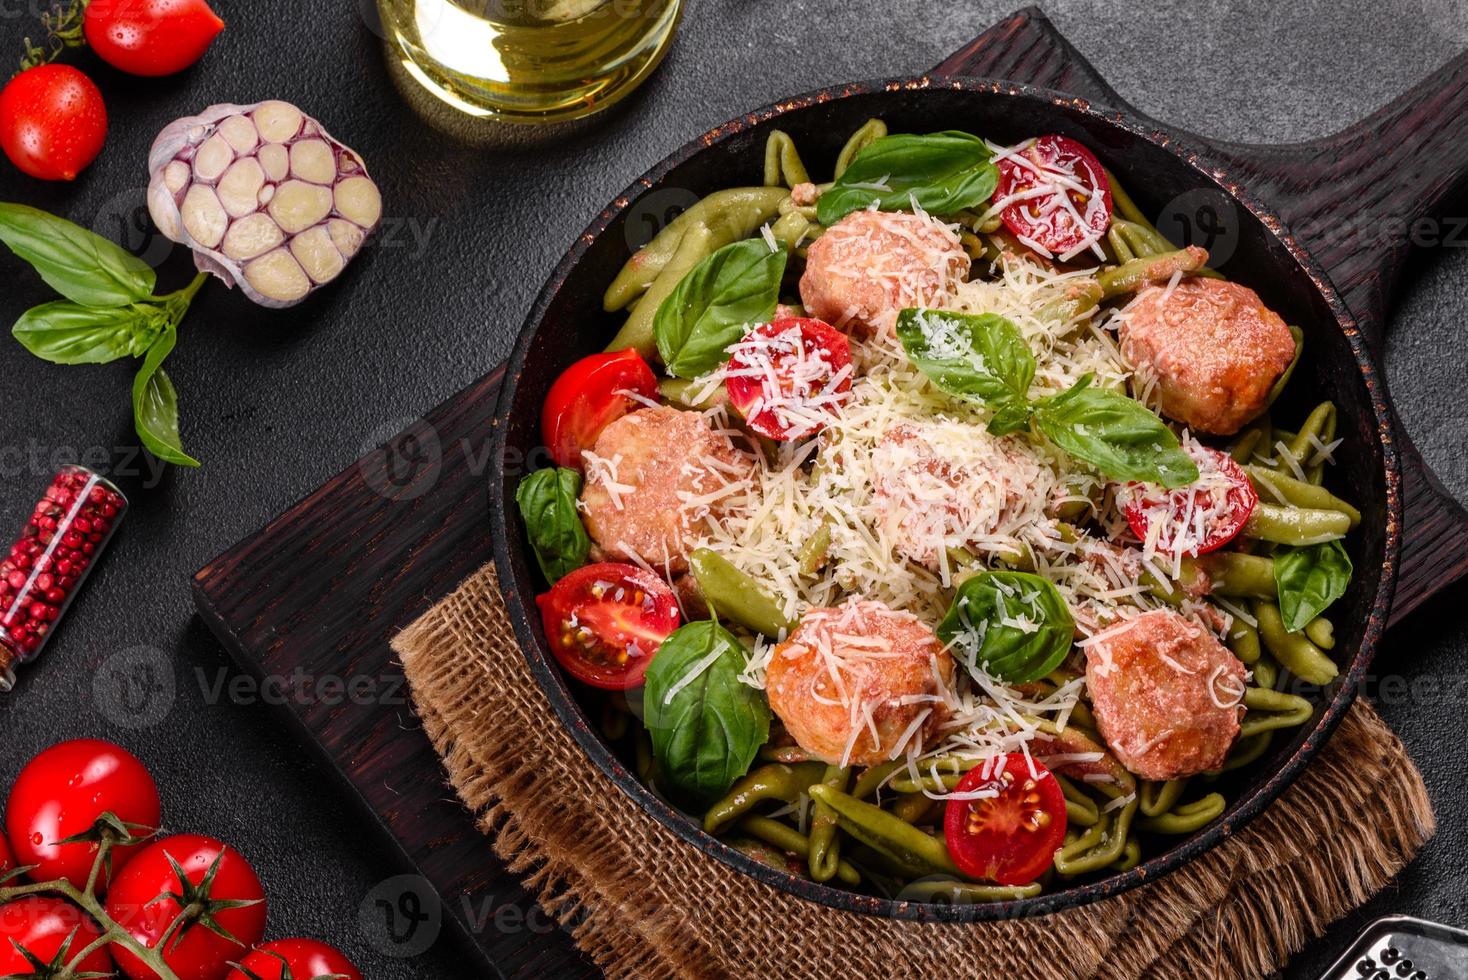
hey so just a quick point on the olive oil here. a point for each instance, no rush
(529, 60)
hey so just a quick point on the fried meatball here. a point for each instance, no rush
(947, 484)
(1214, 348)
(654, 479)
(860, 683)
(870, 265)
(1167, 696)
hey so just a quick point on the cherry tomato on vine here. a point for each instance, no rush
(295, 959)
(7, 860)
(150, 37)
(63, 793)
(51, 932)
(52, 121)
(1201, 517)
(788, 377)
(605, 621)
(584, 400)
(1011, 834)
(216, 881)
(1067, 199)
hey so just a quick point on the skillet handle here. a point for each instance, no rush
(1358, 201)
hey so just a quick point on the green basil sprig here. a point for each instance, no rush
(547, 501)
(984, 356)
(705, 731)
(976, 625)
(714, 303)
(1309, 579)
(1115, 434)
(109, 312)
(943, 172)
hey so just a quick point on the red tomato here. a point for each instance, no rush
(1073, 206)
(52, 121)
(1200, 517)
(604, 622)
(7, 860)
(584, 400)
(62, 793)
(42, 925)
(195, 952)
(295, 959)
(150, 37)
(1011, 836)
(787, 377)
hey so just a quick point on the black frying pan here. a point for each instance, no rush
(567, 322)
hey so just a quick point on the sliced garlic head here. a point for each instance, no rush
(264, 196)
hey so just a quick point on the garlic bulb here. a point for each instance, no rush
(264, 196)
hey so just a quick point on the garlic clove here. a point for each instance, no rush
(279, 277)
(318, 254)
(265, 197)
(251, 236)
(357, 199)
(204, 218)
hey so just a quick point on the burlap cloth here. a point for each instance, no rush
(641, 902)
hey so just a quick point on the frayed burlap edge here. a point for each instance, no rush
(642, 903)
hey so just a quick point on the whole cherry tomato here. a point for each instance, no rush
(41, 926)
(52, 121)
(7, 860)
(150, 37)
(295, 959)
(587, 397)
(196, 951)
(62, 793)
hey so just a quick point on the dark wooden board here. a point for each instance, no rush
(322, 587)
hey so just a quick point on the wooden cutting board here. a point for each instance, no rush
(320, 589)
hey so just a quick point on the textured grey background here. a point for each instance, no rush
(276, 402)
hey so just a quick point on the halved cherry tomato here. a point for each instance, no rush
(63, 792)
(41, 926)
(1200, 517)
(150, 37)
(295, 959)
(1011, 835)
(787, 377)
(1072, 202)
(584, 400)
(52, 121)
(605, 621)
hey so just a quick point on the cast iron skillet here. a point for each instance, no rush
(567, 323)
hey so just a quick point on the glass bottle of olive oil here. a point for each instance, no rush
(529, 60)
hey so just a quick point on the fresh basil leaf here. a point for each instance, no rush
(84, 267)
(712, 305)
(706, 725)
(981, 355)
(1115, 434)
(1309, 579)
(980, 626)
(155, 405)
(64, 332)
(1013, 416)
(943, 172)
(547, 501)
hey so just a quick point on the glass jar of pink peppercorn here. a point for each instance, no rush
(43, 571)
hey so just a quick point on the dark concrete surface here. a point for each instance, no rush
(276, 402)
